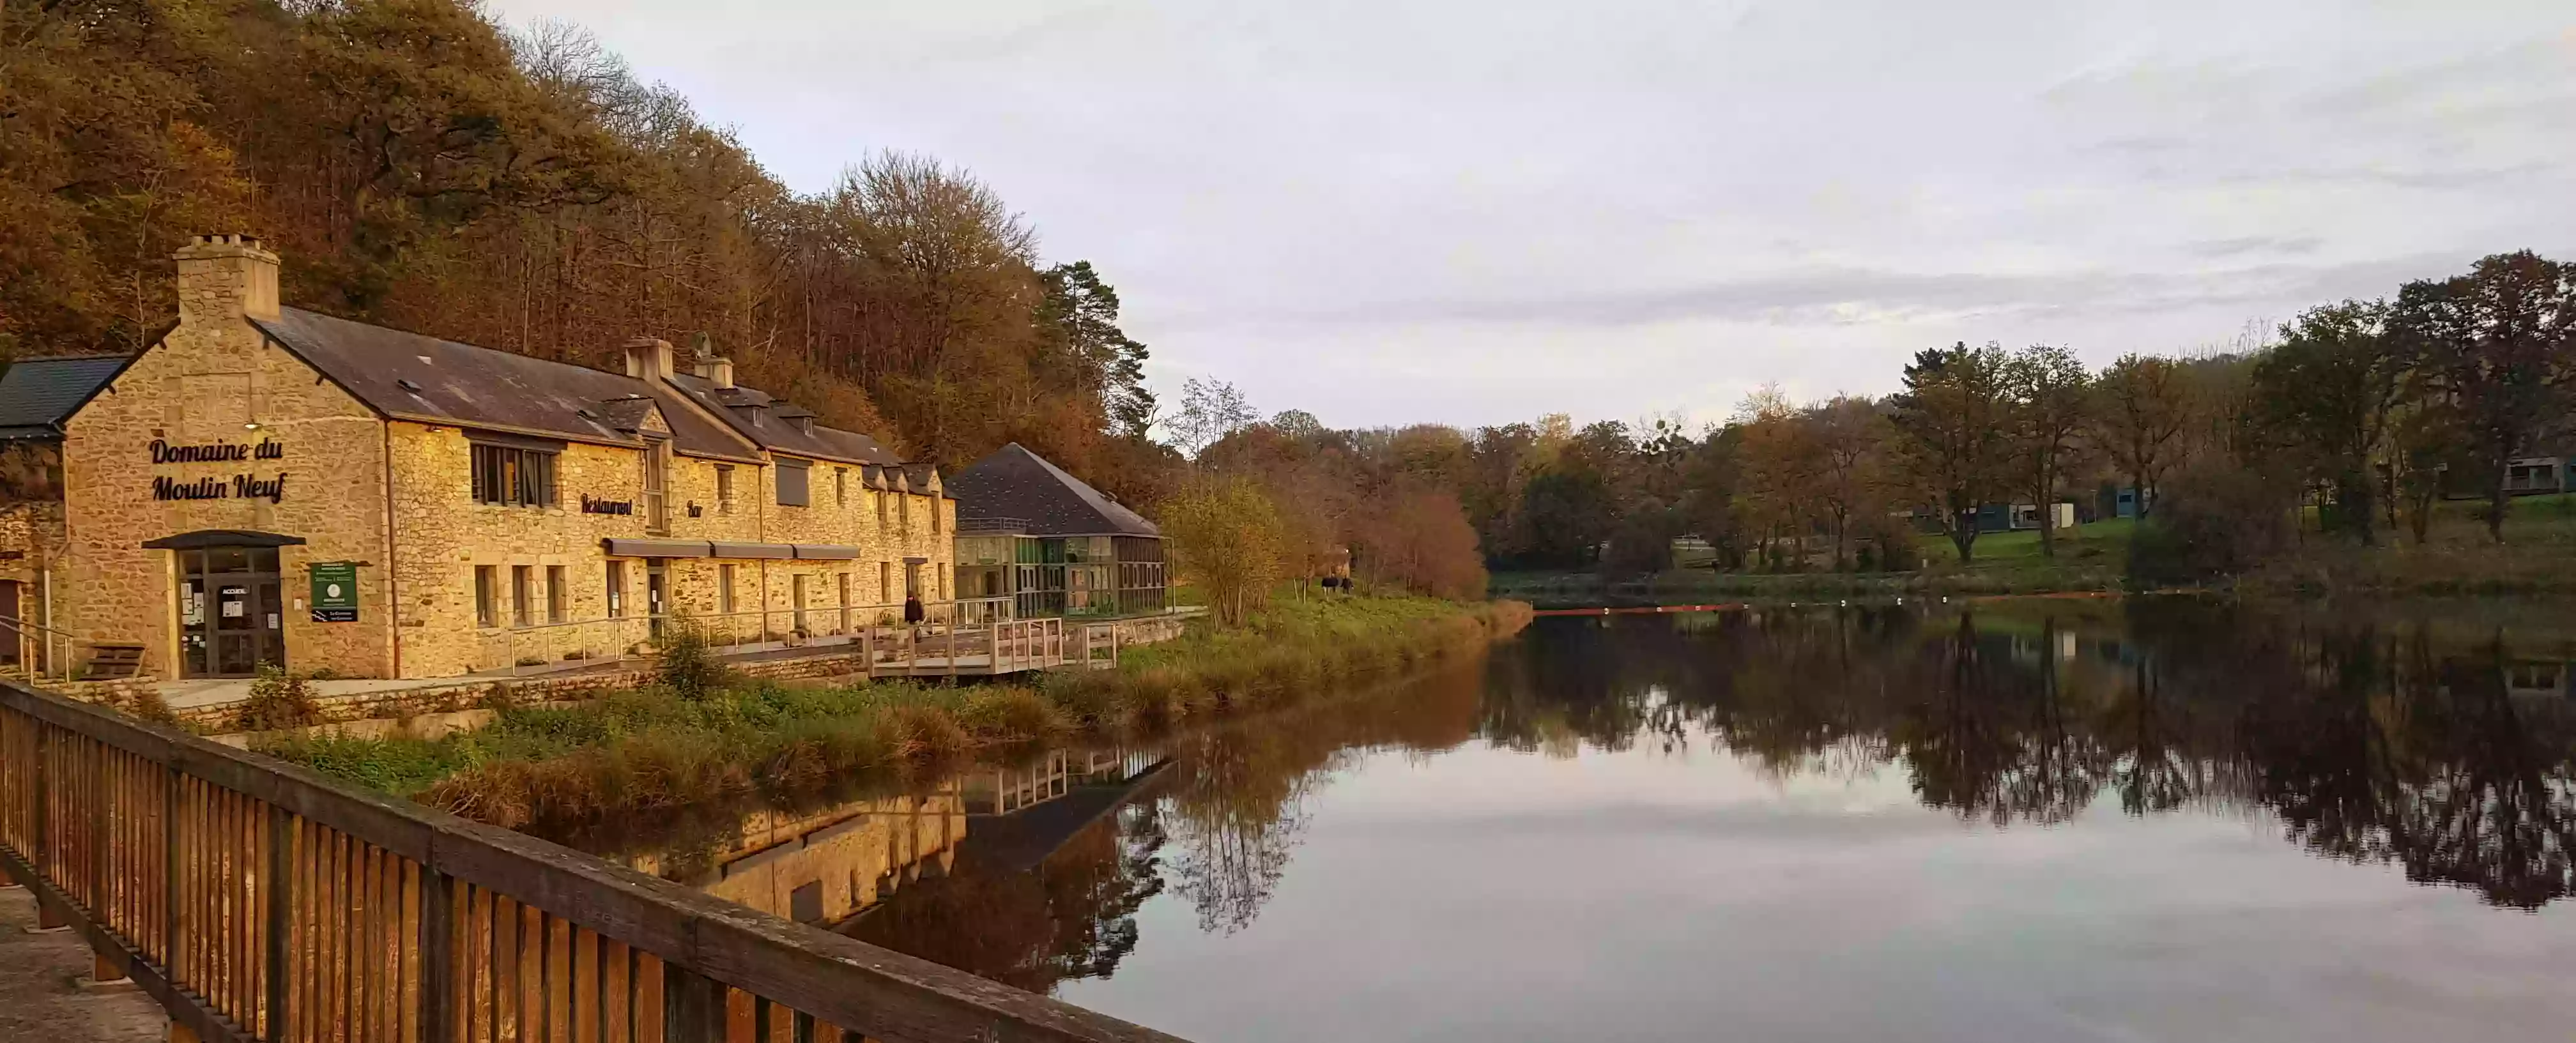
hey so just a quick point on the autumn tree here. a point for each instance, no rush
(1418, 540)
(2142, 410)
(1224, 538)
(2051, 405)
(1779, 458)
(2495, 349)
(1850, 437)
(2328, 392)
(1953, 417)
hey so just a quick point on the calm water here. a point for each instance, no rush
(2037, 821)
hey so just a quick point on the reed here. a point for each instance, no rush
(716, 738)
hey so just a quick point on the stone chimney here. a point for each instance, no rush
(648, 359)
(226, 278)
(709, 366)
(717, 371)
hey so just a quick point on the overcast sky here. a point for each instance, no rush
(1477, 211)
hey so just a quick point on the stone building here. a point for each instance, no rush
(35, 397)
(271, 485)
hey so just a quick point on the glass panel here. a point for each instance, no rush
(232, 608)
(221, 560)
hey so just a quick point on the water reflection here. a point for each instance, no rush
(2427, 739)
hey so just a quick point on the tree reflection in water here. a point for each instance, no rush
(2372, 740)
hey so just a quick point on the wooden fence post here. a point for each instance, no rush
(693, 1009)
(438, 986)
(281, 901)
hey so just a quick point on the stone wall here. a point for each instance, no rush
(397, 498)
(443, 536)
(217, 380)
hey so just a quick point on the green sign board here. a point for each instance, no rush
(335, 592)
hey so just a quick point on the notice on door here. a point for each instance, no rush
(335, 592)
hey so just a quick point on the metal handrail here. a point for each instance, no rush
(26, 662)
(545, 646)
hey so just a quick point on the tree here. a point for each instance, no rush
(1422, 543)
(1780, 457)
(1297, 424)
(2329, 390)
(2496, 348)
(1224, 537)
(1954, 413)
(1567, 513)
(1210, 410)
(1850, 437)
(2143, 408)
(2051, 405)
(1082, 312)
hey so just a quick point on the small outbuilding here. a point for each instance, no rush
(1052, 545)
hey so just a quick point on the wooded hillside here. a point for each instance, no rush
(417, 166)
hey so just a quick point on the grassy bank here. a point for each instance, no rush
(2090, 557)
(702, 736)
(2537, 557)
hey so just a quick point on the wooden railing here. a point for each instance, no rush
(258, 901)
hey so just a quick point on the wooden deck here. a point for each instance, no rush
(259, 902)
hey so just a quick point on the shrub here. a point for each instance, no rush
(688, 665)
(278, 700)
(2214, 520)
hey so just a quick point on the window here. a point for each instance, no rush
(903, 513)
(943, 581)
(657, 500)
(879, 498)
(885, 583)
(514, 476)
(792, 490)
(487, 596)
(523, 582)
(724, 488)
(796, 596)
(844, 580)
(934, 516)
(841, 486)
(558, 597)
(724, 588)
(616, 589)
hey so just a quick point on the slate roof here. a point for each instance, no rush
(37, 394)
(425, 379)
(777, 429)
(1014, 483)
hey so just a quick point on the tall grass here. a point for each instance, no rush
(719, 738)
(639, 751)
(1281, 654)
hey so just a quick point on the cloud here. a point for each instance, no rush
(1845, 296)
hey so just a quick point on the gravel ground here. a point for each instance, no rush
(37, 1001)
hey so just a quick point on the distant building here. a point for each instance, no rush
(2535, 476)
(1051, 543)
(36, 396)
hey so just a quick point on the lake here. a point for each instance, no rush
(2026, 820)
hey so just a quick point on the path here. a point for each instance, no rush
(37, 1000)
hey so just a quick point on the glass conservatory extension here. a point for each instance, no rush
(1063, 575)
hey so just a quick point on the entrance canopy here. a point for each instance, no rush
(204, 538)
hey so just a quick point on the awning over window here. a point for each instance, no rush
(624, 548)
(656, 548)
(203, 538)
(753, 550)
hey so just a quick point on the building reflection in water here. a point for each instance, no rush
(2443, 745)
